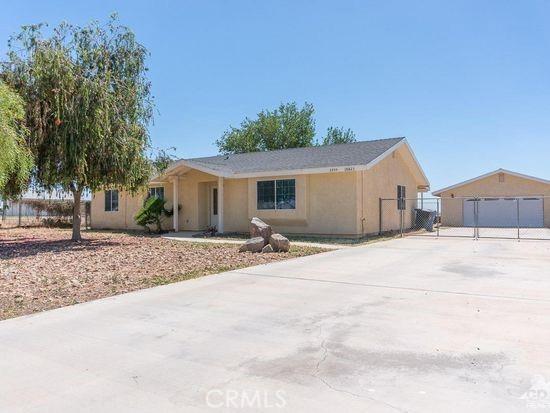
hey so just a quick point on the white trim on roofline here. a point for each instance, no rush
(395, 147)
(477, 178)
(301, 171)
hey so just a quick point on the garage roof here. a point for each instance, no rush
(498, 171)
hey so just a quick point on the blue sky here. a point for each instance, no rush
(467, 82)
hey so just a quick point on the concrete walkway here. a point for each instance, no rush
(409, 325)
(189, 236)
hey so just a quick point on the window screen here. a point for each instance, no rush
(157, 191)
(276, 194)
(111, 200)
(286, 193)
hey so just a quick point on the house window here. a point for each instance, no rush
(401, 197)
(276, 194)
(157, 191)
(111, 200)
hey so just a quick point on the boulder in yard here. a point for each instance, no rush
(279, 243)
(259, 228)
(268, 248)
(253, 245)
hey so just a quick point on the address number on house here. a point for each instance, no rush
(347, 169)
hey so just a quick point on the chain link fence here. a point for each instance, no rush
(514, 217)
(38, 212)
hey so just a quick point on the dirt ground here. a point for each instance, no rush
(41, 268)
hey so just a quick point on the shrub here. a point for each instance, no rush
(61, 209)
(57, 223)
(59, 213)
(152, 213)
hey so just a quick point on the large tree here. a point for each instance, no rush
(15, 157)
(285, 127)
(88, 106)
(338, 135)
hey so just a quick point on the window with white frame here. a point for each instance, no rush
(156, 191)
(276, 194)
(111, 200)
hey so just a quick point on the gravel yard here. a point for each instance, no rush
(41, 268)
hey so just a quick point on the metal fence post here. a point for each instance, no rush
(379, 216)
(476, 218)
(19, 215)
(402, 223)
(517, 210)
(438, 217)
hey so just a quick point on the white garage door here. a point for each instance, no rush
(503, 213)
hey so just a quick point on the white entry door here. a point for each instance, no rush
(214, 207)
(503, 212)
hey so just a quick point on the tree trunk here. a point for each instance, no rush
(77, 194)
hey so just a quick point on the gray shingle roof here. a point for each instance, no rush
(348, 154)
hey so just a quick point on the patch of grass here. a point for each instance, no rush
(295, 251)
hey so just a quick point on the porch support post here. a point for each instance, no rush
(175, 202)
(220, 204)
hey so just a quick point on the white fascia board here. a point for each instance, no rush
(394, 148)
(175, 165)
(477, 178)
(417, 163)
(324, 170)
(207, 170)
(385, 153)
(198, 167)
(328, 169)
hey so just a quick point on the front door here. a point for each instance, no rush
(214, 207)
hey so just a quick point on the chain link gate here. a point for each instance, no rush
(515, 217)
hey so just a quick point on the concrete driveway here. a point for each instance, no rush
(415, 324)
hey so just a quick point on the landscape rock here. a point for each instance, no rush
(75, 283)
(253, 245)
(267, 248)
(259, 228)
(279, 243)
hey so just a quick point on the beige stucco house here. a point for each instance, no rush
(325, 190)
(500, 198)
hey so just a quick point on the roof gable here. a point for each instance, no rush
(329, 156)
(478, 178)
(358, 156)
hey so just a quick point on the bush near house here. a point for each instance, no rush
(152, 213)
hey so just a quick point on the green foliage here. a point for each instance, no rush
(59, 212)
(338, 135)
(285, 127)
(152, 213)
(88, 106)
(15, 157)
(162, 160)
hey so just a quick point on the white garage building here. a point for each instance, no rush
(498, 199)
